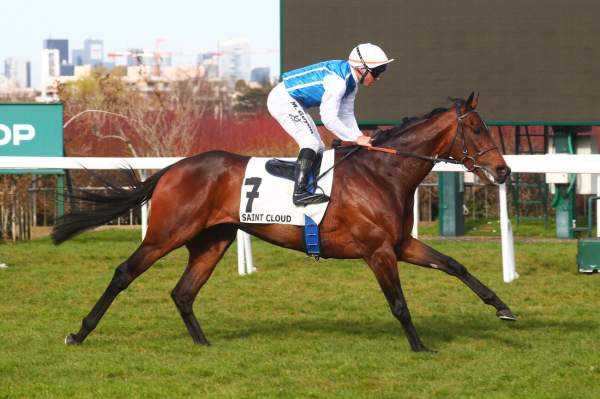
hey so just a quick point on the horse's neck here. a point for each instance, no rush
(429, 138)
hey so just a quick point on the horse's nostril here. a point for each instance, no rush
(502, 171)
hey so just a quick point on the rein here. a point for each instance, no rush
(472, 159)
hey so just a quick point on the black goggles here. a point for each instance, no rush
(378, 70)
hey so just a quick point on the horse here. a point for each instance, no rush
(195, 203)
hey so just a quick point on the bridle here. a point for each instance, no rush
(472, 159)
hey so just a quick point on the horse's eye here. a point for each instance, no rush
(477, 130)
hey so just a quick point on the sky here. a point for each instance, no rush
(186, 27)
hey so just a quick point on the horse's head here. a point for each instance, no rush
(473, 145)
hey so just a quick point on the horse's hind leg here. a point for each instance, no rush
(128, 271)
(206, 250)
(422, 255)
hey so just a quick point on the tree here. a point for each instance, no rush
(251, 100)
(158, 121)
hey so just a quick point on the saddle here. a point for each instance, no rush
(285, 169)
(281, 168)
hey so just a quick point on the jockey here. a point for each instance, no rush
(331, 85)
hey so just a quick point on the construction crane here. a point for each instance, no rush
(139, 56)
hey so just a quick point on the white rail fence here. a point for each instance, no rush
(549, 163)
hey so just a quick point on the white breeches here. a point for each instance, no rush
(294, 119)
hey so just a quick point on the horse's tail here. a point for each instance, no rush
(116, 202)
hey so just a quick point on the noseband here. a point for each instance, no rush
(472, 159)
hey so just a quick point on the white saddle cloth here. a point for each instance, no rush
(267, 199)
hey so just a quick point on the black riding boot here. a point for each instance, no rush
(304, 169)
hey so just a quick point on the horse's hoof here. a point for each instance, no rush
(70, 340)
(506, 314)
(424, 349)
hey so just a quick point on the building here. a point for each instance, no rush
(176, 73)
(93, 52)
(11, 68)
(152, 61)
(67, 70)
(78, 57)
(210, 64)
(28, 74)
(50, 65)
(18, 72)
(261, 75)
(135, 56)
(62, 45)
(234, 60)
(4, 84)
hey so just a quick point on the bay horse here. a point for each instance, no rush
(195, 202)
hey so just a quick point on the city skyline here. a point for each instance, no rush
(183, 29)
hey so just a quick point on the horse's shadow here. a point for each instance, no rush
(435, 330)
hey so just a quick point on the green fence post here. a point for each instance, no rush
(564, 196)
(450, 204)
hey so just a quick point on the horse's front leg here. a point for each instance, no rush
(415, 252)
(383, 264)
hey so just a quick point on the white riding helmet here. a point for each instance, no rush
(368, 55)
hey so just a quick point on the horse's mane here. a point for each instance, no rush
(408, 122)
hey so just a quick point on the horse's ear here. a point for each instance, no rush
(472, 101)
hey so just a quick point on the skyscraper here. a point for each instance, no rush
(28, 74)
(18, 72)
(50, 66)
(62, 45)
(234, 61)
(10, 68)
(94, 51)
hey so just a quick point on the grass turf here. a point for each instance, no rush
(296, 328)
(531, 228)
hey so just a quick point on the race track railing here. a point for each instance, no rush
(549, 163)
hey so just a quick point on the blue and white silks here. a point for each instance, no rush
(332, 86)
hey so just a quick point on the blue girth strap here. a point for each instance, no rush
(311, 238)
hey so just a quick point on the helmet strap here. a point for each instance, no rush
(363, 75)
(367, 69)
